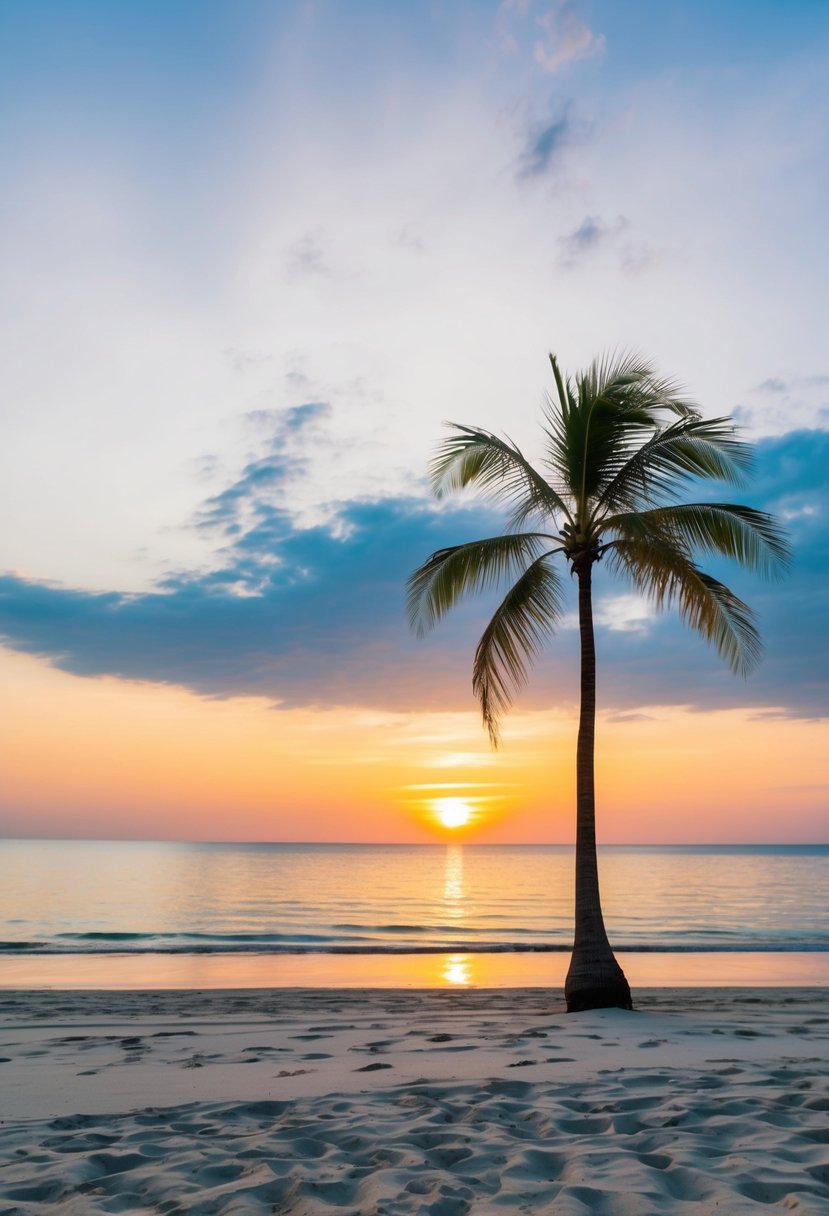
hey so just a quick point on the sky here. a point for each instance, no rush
(255, 256)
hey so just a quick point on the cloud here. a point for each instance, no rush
(324, 621)
(504, 36)
(244, 360)
(636, 261)
(624, 614)
(315, 616)
(545, 142)
(264, 482)
(590, 234)
(632, 716)
(307, 256)
(567, 38)
(775, 384)
(782, 404)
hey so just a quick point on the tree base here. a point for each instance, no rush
(596, 981)
(612, 995)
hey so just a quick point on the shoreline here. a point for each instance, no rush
(651, 969)
(436, 1102)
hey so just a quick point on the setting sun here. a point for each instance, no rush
(452, 812)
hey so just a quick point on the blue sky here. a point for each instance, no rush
(256, 254)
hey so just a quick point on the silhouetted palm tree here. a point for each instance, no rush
(620, 444)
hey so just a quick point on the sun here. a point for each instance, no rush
(452, 812)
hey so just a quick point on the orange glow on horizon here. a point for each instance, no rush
(105, 758)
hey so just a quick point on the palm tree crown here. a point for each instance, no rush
(614, 469)
(620, 446)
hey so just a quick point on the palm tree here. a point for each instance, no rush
(620, 444)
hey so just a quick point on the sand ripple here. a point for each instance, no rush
(630, 1145)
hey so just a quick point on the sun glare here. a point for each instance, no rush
(452, 812)
(456, 970)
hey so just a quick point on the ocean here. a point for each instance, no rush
(84, 898)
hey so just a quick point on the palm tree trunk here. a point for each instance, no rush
(595, 980)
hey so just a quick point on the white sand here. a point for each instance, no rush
(443, 1103)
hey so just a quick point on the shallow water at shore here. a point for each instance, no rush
(448, 971)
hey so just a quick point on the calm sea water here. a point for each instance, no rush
(82, 897)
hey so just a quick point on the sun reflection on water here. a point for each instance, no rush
(456, 970)
(453, 889)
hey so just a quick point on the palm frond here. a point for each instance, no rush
(565, 395)
(724, 620)
(596, 427)
(523, 621)
(665, 573)
(689, 448)
(497, 468)
(631, 384)
(453, 572)
(753, 538)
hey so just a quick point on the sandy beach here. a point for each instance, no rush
(431, 1102)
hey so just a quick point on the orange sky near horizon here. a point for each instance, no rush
(105, 758)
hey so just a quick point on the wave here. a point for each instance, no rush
(100, 936)
(284, 944)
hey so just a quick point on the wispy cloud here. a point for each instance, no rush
(566, 38)
(308, 256)
(776, 384)
(545, 141)
(508, 10)
(625, 614)
(591, 233)
(782, 403)
(264, 483)
(243, 360)
(632, 716)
